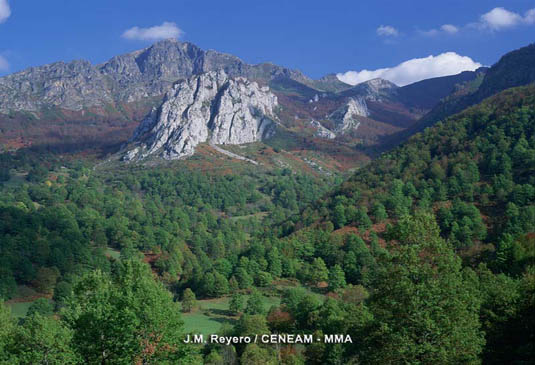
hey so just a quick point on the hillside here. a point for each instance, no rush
(513, 69)
(483, 157)
(78, 107)
(465, 185)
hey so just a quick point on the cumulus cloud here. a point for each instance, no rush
(387, 31)
(4, 65)
(416, 69)
(529, 18)
(5, 10)
(157, 32)
(495, 20)
(444, 29)
(500, 18)
(449, 28)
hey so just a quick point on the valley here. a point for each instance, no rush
(175, 190)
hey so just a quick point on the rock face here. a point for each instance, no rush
(70, 85)
(211, 107)
(321, 131)
(373, 90)
(347, 116)
(149, 72)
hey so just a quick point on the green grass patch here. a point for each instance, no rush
(211, 314)
(113, 253)
(19, 309)
(24, 298)
(259, 215)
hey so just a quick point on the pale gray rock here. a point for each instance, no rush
(70, 85)
(146, 73)
(211, 107)
(346, 117)
(373, 90)
(321, 131)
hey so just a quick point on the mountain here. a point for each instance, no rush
(480, 160)
(466, 184)
(79, 106)
(127, 78)
(426, 93)
(516, 68)
(210, 107)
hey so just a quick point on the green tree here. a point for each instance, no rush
(244, 279)
(250, 325)
(337, 279)
(339, 216)
(6, 330)
(188, 300)
(263, 279)
(125, 318)
(43, 340)
(236, 303)
(379, 212)
(425, 307)
(220, 285)
(256, 355)
(42, 306)
(318, 271)
(255, 303)
(275, 262)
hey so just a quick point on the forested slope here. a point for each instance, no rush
(424, 256)
(438, 232)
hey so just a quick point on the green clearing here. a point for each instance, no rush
(259, 215)
(210, 315)
(22, 301)
(113, 253)
(19, 309)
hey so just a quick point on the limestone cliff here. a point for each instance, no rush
(211, 107)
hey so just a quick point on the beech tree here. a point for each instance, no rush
(188, 300)
(425, 306)
(337, 278)
(254, 303)
(42, 340)
(125, 318)
(236, 303)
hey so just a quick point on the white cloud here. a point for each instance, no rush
(499, 18)
(5, 10)
(449, 28)
(4, 65)
(529, 18)
(387, 31)
(495, 20)
(158, 32)
(416, 69)
(446, 28)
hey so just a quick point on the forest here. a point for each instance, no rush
(424, 256)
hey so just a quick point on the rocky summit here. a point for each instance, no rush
(211, 107)
(126, 78)
(203, 96)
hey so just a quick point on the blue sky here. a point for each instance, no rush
(316, 37)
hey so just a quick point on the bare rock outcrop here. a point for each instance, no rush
(211, 107)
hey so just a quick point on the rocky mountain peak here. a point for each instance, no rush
(127, 78)
(211, 107)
